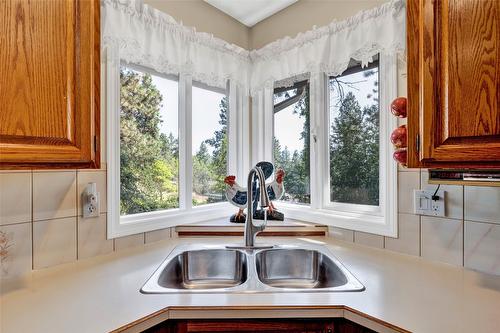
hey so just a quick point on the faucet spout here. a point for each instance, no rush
(252, 230)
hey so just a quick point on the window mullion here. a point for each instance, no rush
(185, 142)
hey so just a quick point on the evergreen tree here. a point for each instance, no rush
(148, 159)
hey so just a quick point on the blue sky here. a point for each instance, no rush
(205, 111)
(287, 126)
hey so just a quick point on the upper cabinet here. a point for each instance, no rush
(453, 49)
(49, 84)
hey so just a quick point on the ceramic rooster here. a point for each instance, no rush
(237, 195)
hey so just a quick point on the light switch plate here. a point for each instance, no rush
(424, 205)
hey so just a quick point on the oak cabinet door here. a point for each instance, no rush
(49, 83)
(454, 82)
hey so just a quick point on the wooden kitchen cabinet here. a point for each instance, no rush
(453, 50)
(49, 83)
(311, 325)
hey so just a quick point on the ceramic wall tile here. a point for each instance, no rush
(454, 204)
(408, 240)
(482, 204)
(92, 237)
(98, 177)
(341, 234)
(367, 239)
(157, 235)
(407, 182)
(129, 241)
(54, 242)
(15, 197)
(442, 240)
(15, 250)
(482, 247)
(54, 195)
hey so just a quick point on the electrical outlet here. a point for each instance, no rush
(425, 205)
(90, 200)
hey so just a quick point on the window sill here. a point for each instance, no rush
(374, 224)
(144, 222)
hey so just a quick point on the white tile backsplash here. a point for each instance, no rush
(54, 194)
(129, 241)
(15, 250)
(157, 235)
(92, 237)
(15, 197)
(367, 239)
(407, 182)
(442, 240)
(345, 235)
(54, 242)
(482, 247)
(408, 240)
(482, 204)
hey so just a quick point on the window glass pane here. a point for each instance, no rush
(354, 135)
(210, 115)
(291, 141)
(149, 157)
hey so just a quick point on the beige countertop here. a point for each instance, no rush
(102, 294)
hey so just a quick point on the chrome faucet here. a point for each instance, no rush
(252, 230)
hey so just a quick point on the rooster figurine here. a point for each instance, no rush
(237, 195)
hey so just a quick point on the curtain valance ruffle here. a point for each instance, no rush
(146, 36)
(149, 37)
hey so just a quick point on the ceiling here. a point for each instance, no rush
(250, 12)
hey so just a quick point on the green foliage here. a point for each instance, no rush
(148, 159)
(209, 170)
(296, 164)
(354, 153)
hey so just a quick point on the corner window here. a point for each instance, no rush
(331, 135)
(149, 150)
(354, 130)
(210, 144)
(168, 149)
(291, 148)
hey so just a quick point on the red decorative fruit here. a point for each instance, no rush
(399, 137)
(398, 107)
(400, 156)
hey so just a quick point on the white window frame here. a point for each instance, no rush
(382, 219)
(119, 226)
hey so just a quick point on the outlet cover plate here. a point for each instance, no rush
(424, 205)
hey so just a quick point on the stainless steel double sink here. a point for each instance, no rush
(207, 268)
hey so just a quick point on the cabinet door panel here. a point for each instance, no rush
(49, 81)
(460, 116)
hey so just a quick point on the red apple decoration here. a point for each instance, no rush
(399, 137)
(398, 107)
(400, 156)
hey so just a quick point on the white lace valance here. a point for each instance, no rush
(146, 36)
(149, 37)
(330, 48)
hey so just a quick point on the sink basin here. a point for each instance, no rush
(204, 268)
(298, 268)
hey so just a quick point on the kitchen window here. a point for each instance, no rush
(169, 150)
(354, 136)
(210, 120)
(291, 140)
(344, 137)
